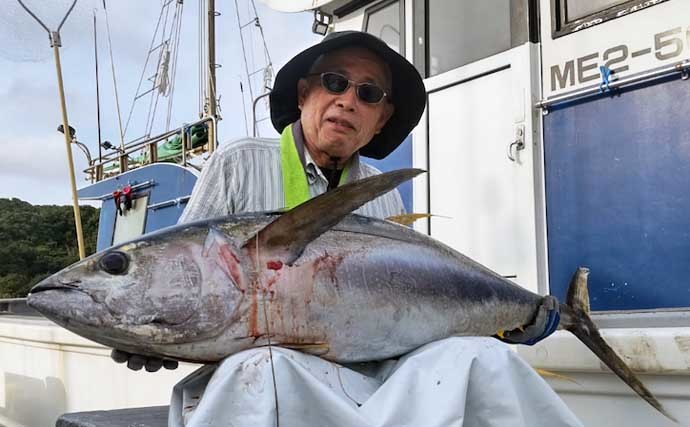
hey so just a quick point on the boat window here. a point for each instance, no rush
(570, 16)
(383, 21)
(576, 9)
(132, 222)
(460, 32)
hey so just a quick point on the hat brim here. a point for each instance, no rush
(408, 93)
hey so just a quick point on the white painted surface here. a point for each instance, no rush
(46, 371)
(636, 31)
(296, 5)
(661, 356)
(352, 22)
(488, 200)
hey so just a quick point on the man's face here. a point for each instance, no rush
(337, 125)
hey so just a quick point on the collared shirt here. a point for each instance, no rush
(246, 176)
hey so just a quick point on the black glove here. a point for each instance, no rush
(545, 323)
(136, 361)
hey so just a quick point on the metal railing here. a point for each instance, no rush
(103, 168)
(682, 68)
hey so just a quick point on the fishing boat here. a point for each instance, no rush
(555, 136)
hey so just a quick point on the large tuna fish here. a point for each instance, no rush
(345, 287)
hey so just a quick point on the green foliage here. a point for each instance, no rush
(37, 241)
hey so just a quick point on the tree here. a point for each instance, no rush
(38, 241)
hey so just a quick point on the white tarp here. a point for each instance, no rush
(464, 382)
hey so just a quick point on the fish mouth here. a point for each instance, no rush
(51, 286)
(42, 299)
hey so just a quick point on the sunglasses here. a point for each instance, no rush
(337, 84)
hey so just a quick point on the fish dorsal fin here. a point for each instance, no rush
(578, 295)
(287, 236)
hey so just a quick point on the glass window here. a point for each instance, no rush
(576, 9)
(132, 222)
(383, 21)
(575, 15)
(463, 31)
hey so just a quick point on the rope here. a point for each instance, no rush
(112, 66)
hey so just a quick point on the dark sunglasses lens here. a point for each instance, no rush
(369, 93)
(334, 82)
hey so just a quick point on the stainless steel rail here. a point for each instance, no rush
(96, 170)
(682, 67)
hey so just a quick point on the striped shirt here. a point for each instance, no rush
(246, 176)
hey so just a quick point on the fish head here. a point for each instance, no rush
(171, 287)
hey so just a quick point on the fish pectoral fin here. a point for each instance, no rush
(290, 233)
(316, 349)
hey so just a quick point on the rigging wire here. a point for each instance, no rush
(267, 56)
(173, 72)
(200, 68)
(251, 63)
(112, 66)
(244, 52)
(244, 107)
(155, 96)
(98, 96)
(212, 95)
(143, 71)
(203, 54)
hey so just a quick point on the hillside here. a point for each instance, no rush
(38, 241)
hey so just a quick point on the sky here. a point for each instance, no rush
(33, 163)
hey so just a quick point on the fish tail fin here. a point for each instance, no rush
(575, 318)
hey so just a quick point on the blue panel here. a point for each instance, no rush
(106, 226)
(618, 196)
(170, 182)
(399, 159)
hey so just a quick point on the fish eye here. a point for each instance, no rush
(114, 262)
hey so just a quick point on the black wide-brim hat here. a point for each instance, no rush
(408, 97)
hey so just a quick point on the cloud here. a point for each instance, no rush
(41, 158)
(33, 166)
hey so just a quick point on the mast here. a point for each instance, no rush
(211, 83)
(56, 44)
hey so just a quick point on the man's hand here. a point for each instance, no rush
(136, 361)
(545, 323)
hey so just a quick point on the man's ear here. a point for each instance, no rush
(302, 91)
(388, 110)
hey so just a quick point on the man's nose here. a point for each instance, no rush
(348, 99)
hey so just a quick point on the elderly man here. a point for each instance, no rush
(348, 95)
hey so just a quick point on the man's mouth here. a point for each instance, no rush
(339, 122)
